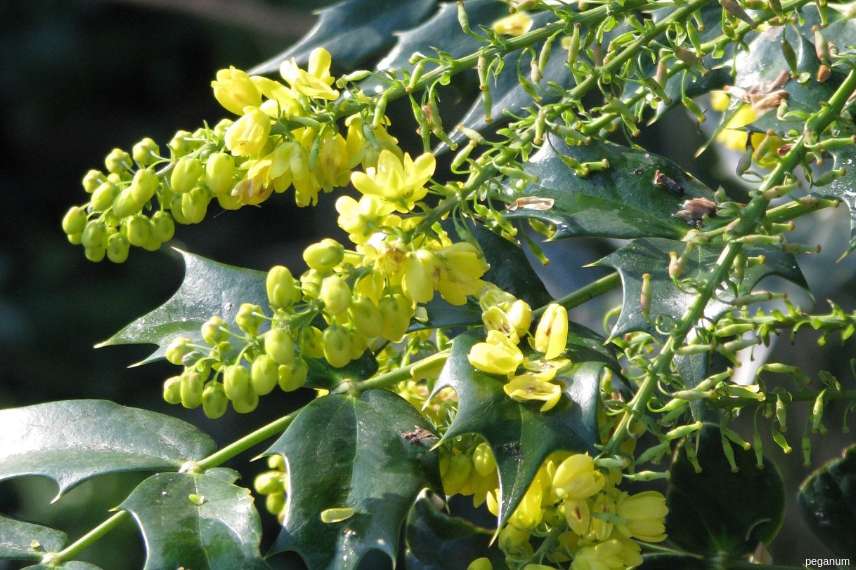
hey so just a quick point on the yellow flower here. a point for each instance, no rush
(577, 478)
(578, 515)
(399, 181)
(234, 90)
(614, 554)
(551, 336)
(248, 135)
(314, 83)
(520, 316)
(603, 513)
(528, 386)
(513, 25)
(461, 269)
(281, 101)
(643, 516)
(361, 218)
(496, 356)
(418, 280)
(528, 513)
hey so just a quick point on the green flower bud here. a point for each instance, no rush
(117, 248)
(180, 143)
(118, 161)
(282, 288)
(395, 313)
(236, 382)
(172, 390)
(145, 152)
(75, 239)
(248, 318)
(310, 283)
(194, 205)
(95, 254)
(177, 349)
(312, 342)
(162, 226)
(268, 482)
(337, 346)
(221, 127)
(324, 255)
(365, 316)
(480, 564)
(184, 175)
(292, 376)
(483, 460)
(246, 404)
(94, 234)
(126, 205)
(74, 220)
(191, 389)
(220, 173)
(264, 374)
(276, 461)
(103, 196)
(275, 502)
(92, 180)
(214, 401)
(139, 230)
(279, 346)
(144, 185)
(335, 294)
(212, 330)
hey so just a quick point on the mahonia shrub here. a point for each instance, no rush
(449, 385)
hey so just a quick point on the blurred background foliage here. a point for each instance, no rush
(80, 77)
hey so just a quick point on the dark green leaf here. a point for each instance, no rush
(718, 512)
(73, 565)
(621, 201)
(353, 31)
(200, 521)
(358, 453)
(671, 562)
(509, 98)
(26, 541)
(73, 440)
(440, 33)
(844, 188)
(209, 288)
(828, 502)
(667, 301)
(520, 435)
(438, 541)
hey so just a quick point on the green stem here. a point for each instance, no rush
(586, 293)
(398, 375)
(250, 440)
(749, 219)
(82, 543)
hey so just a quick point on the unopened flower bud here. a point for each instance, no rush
(139, 230)
(335, 294)
(94, 234)
(117, 248)
(163, 227)
(213, 330)
(395, 312)
(74, 220)
(172, 390)
(220, 173)
(236, 382)
(293, 375)
(249, 318)
(551, 336)
(366, 317)
(92, 179)
(520, 316)
(214, 401)
(264, 374)
(234, 90)
(282, 288)
(246, 404)
(177, 349)
(324, 255)
(185, 174)
(279, 346)
(145, 152)
(103, 196)
(337, 346)
(144, 185)
(191, 390)
(118, 161)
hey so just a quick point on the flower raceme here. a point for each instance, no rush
(597, 524)
(140, 196)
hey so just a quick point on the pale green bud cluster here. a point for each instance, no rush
(273, 485)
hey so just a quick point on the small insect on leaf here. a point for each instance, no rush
(336, 515)
(197, 500)
(695, 210)
(661, 180)
(531, 203)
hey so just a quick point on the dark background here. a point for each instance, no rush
(80, 77)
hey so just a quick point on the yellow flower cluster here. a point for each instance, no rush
(596, 523)
(275, 143)
(507, 320)
(468, 468)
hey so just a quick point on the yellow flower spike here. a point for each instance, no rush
(248, 135)
(235, 91)
(529, 387)
(513, 25)
(315, 83)
(577, 478)
(495, 356)
(578, 515)
(551, 336)
(418, 280)
(643, 516)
